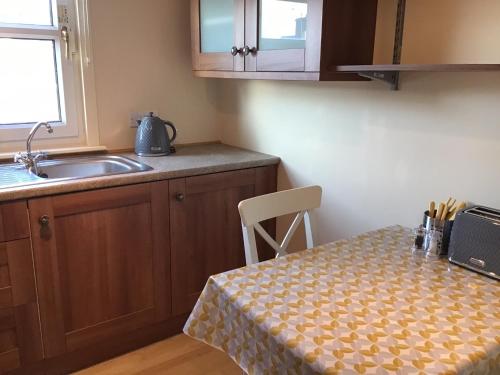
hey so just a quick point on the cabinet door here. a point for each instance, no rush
(206, 228)
(102, 261)
(217, 27)
(283, 35)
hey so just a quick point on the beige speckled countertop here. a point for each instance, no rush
(188, 161)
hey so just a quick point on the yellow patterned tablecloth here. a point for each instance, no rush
(359, 306)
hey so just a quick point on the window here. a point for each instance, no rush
(41, 70)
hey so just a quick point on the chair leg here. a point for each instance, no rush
(309, 234)
(251, 254)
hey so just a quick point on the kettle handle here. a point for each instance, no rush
(168, 123)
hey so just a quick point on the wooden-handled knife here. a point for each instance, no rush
(441, 209)
(432, 209)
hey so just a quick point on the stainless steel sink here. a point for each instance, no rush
(12, 175)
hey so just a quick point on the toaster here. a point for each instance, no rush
(475, 241)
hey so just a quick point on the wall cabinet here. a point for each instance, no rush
(86, 276)
(281, 39)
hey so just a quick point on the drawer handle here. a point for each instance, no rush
(179, 197)
(44, 220)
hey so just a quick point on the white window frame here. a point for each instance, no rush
(75, 78)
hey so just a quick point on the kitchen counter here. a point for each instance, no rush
(188, 161)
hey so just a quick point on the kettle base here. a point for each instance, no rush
(144, 155)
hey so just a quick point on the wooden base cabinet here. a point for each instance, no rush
(102, 263)
(20, 338)
(108, 271)
(206, 228)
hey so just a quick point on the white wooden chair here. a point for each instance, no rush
(255, 210)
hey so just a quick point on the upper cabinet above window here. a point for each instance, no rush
(281, 39)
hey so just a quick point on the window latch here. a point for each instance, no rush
(65, 39)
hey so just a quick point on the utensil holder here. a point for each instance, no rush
(438, 231)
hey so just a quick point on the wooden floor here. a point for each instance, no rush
(178, 355)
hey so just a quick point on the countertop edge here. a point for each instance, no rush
(56, 188)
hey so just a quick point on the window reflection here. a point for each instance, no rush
(283, 24)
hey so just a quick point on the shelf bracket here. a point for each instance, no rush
(392, 78)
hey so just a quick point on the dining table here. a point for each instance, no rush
(364, 305)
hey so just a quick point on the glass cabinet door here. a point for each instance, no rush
(217, 25)
(280, 34)
(220, 34)
(282, 24)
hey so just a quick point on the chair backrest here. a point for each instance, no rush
(255, 210)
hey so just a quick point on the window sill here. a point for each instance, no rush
(61, 152)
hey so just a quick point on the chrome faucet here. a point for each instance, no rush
(28, 159)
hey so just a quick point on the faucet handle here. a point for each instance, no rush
(20, 157)
(40, 156)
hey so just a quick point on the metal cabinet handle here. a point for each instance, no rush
(247, 50)
(179, 197)
(44, 220)
(235, 51)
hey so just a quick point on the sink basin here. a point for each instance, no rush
(12, 175)
(89, 167)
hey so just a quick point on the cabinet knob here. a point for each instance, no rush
(179, 197)
(247, 50)
(44, 220)
(235, 51)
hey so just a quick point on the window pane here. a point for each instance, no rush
(217, 25)
(29, 91)
(29, 12)
(282, 24)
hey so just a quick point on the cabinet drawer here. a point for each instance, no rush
(220, 181)
(20, 339)
(13, 221)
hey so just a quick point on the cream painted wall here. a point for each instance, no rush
(452, 31)
(441, 32)
(143, 62)
(380, 156)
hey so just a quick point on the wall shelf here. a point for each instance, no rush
(418, 68)
(390, 73)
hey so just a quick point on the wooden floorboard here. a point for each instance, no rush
(178, 355)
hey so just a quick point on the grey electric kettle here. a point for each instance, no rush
(152, 137)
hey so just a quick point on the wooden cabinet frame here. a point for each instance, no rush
(223, 61)
(89, 275)
(339, 32)
(20, 337)
(206, 233)
(288, 60)
(18, 307)
(54, 262)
